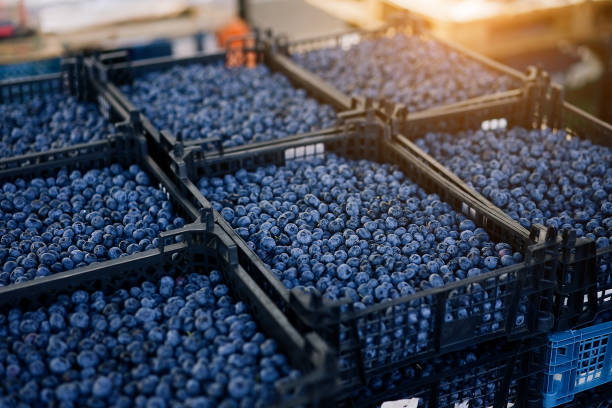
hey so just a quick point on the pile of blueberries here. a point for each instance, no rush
(236, 105)
(417, 72)
(178, 342)
(535, 176)
(55, 224)
(49, 122)
(361, 231)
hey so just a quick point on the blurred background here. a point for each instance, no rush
(571, 39)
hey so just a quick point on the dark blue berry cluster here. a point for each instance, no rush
(415, 71)
(237, 105)
(181, 342)
(362, 231)
(55, 224)
(535, 176)
(49, 122)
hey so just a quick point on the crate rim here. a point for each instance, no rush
(576, 335)
(30, 78)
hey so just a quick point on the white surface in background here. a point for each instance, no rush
(405, 403)
(467, 10)
(183, 47)
(589, 69)
(217, 3)
(67, 16)
(414, 403)
(186, 46)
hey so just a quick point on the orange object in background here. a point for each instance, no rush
(235, 38)
(235, 28)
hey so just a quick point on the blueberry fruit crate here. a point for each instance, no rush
(85, 204)
(494, 374)
(166, 273)
(577, 360)
(538, 102)
(584, 284)
(523, 291)
(284, 91)
(398, 80)
(54, 113)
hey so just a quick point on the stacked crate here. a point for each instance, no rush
(350, 352)
(359, 336)
(186, 249)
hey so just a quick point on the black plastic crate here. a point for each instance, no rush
(114, 69)
(70, 81)
(531, 281)
(599, 397)
(123, 149)
(586, 271)
(584, 275)
(495, 376)
(201, 251)
(410, 26)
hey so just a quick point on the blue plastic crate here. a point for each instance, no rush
(577, 360)
(32, 68)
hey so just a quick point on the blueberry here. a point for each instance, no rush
(87, 359)
(67, 392)
(239, 387)
(344, 272)
(79, 320)
(102, 387)
(268, 375)
(436, 280)
(145, 314)
(59, 365)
